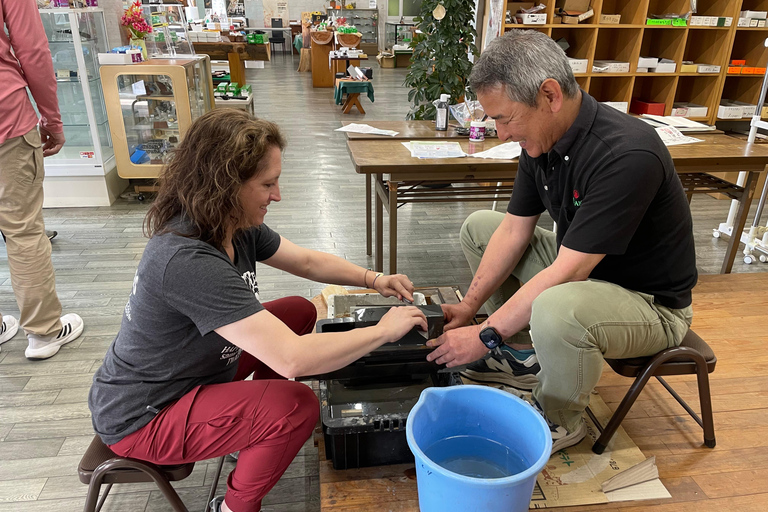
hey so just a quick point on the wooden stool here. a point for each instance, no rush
(305, 60)
(693, 356)
(100, 465)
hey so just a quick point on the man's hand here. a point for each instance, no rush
(396, 285)
(457, 315)
(52, 142)
(457, 347)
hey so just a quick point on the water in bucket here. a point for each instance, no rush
(476, 456)
(476, 448)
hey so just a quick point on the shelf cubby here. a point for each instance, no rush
(632, 13)
(701, 90)
(738, 89)
(620, 44)
(662, 43)
(707, 47)
(656, 89)
(717, 8)
(748, 45)
(581, 41)
(662, 7)
(613, 88)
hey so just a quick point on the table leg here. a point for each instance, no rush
(236, 68)
(353, 100)
(368, 225)
(741, 220)
(379, 253)
(392, 227)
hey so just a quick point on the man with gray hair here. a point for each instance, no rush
(614, 281)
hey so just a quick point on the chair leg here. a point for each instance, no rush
(215, 483)
(705, 399)
(634, 391)
(94, 486)
(103, 497)
(150, 469)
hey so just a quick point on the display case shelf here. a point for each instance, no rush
(83, 172)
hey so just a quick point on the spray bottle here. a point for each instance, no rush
(441, 120)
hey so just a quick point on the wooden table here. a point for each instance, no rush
(407, 130)
(235, 53)
(377, 158)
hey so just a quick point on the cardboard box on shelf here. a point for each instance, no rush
(658, 22)
(641, 70)
(610, 66)
(743, 22)
(532, 19)
(622, 106)
(759, 15)
(646, 107)
(738, 62)
(610, 19)
(747, 109)
(578, 65)
(689, 68)
(664, 66)
(686, 109)
(573, 18)
(734, 70)
(647, 62)
(708, 68)
(728, 111)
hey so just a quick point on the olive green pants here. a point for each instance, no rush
(575, 325)
(21, 221)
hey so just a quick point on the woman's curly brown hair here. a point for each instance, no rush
(220, 152)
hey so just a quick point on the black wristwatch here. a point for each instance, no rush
(490, 337)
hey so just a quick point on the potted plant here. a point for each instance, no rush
(440, 62)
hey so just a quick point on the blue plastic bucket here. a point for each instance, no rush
(480, 431)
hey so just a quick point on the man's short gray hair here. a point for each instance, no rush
(521, 60)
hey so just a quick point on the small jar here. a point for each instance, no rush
(477, 131)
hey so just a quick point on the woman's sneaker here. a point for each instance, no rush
(505, 365)
(43, 347)
(8, 328)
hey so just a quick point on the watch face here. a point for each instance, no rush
(490, 337)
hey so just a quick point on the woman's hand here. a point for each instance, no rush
(396, 285)
(399, 320)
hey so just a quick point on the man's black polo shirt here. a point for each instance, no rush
(611, 186)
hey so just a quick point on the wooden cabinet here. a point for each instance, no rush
(632, 38)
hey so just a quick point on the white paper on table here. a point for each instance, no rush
(506, 151)
(434, 149)
(365, 128)
(671, 136)
(678, 122)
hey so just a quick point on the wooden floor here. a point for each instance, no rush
(44, 419)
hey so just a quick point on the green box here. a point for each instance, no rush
(246, 90)
(258, 38)
(721, 21)
(251, 38)
(221, 89)
(681, 22)
(233, 89)
(651, 21)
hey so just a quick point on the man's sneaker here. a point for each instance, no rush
(561, 438)
(514, 368)
(51, 234)
(8, 328)
(216, 502)
(43, 347)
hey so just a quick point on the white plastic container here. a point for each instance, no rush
(477, 131)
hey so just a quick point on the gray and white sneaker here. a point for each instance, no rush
(506, 366)
(215, 505)
(43, 347)
(8, 328)
(561, 438)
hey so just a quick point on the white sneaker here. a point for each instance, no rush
(561, 438)
(43, 347)
(8, 328)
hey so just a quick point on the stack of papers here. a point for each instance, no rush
(671, 136)
(681, 123)
(440, 149)
(365, 128)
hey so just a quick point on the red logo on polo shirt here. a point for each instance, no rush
(576, 198)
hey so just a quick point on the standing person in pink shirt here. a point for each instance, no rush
(25, 62)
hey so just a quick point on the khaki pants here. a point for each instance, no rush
(21, 221)
(574, 325)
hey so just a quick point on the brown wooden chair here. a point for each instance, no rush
(693, 356)
(100, 465)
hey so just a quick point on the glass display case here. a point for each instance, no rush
(75, 37)
(367, 23)
(169, 36)
(151, 105)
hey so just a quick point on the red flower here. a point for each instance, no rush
(575, 194)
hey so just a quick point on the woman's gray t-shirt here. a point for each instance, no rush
(183, 290)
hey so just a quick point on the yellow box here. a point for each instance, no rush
(689, 68)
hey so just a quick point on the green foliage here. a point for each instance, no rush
(440, 62)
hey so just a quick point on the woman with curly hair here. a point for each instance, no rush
(171, 387)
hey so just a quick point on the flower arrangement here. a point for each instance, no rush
(134, 20)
